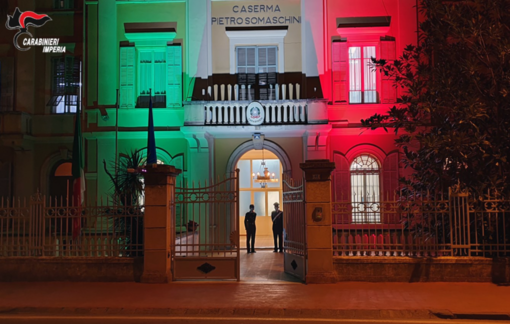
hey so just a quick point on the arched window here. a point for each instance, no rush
(365, 190)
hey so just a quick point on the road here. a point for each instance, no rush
(50, 319)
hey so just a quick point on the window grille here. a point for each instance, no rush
(362, 76)
(365, 190)
(65, 85)
(256, 71)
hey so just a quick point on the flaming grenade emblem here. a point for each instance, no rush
(21, 21)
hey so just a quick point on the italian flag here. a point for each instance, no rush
(78, 176)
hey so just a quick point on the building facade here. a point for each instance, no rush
(228, 80)
(40, 93)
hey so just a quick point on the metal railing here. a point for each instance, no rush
(206, 219)
(208, 245)
(43, 227)
(294, 207)
(223, 92)
(424, 225)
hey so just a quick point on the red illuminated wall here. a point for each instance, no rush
(346, 139)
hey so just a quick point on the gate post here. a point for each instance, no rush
(159, 222)
(319, 247)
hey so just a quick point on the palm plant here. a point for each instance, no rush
(127, 188)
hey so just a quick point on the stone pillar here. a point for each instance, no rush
(318, 220)
(158, 232)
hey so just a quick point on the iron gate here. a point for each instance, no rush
(294, 224)
(206, 244)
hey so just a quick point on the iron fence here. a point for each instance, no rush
(48, 227)
(206, 221)
(455, 224)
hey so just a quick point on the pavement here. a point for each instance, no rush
(341, 300)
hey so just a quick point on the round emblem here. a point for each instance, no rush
(255, 113)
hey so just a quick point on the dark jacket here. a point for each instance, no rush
(249, 220)
(277, 218)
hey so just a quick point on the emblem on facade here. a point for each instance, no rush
(255, 113)
(21, 21)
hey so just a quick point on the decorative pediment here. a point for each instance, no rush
(151, 34)
(379, 25)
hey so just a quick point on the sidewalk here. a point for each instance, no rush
(342, 300)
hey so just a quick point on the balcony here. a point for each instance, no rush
(276, 112)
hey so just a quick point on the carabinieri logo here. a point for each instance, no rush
(21, 21)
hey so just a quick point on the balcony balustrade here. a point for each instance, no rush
(231, 102)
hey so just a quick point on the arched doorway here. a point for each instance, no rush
(264, 266)
(61, 182)
(261, 194)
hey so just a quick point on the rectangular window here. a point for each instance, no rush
(157, 70)
(65, 85)
(152, 77)
(362, 76)
(256, 70)
(252, 192)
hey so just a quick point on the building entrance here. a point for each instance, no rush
(261, 193)
(276, 188)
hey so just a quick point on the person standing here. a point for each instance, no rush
(277, 218)
(249, 225)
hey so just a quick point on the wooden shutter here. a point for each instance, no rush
(388, 89)
(127, 77)
(6, 83)
(174, 76)
(390, 184)
(339, 71)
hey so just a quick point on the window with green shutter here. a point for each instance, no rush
(146, 71)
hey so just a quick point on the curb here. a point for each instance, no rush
(258, 312)
(446, 314)
(233, 312)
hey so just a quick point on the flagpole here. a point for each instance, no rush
(117, 135)
(151, 138)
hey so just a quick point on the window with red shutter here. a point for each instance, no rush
(355, 80)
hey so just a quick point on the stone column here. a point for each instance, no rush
(318, 220)
(158, 224)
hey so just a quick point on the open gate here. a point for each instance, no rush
(206, 225)
(294, 225)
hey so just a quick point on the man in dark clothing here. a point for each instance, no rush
(277, 218)
(249, 225)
